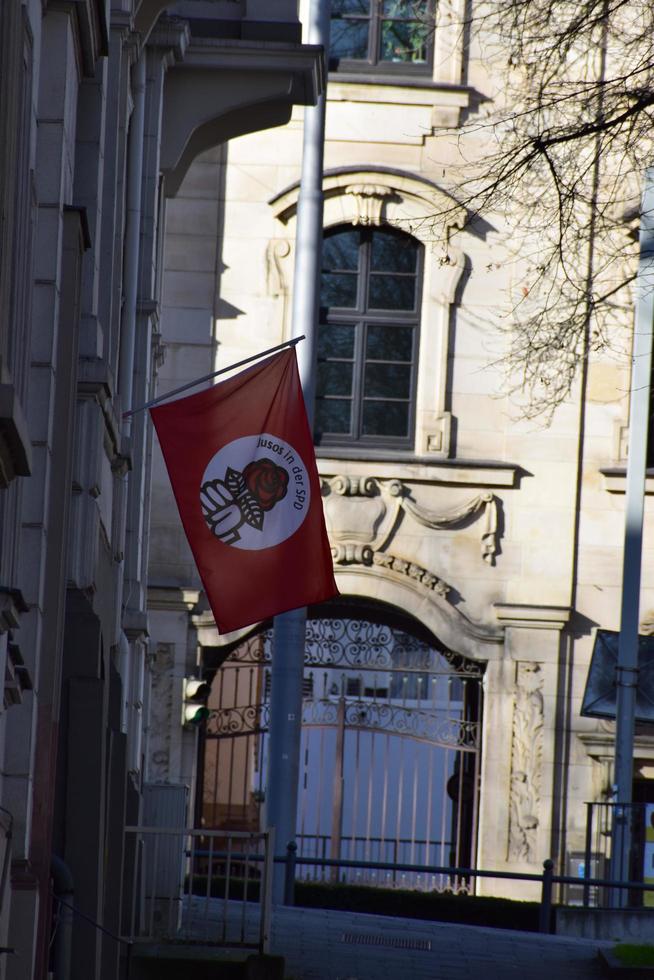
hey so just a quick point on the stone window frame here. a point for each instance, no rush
(362, 317)
(373, 63)
(446, 72)
(372, 196)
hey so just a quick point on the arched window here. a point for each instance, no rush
(368, 338)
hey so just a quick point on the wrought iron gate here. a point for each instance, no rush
(390, 748)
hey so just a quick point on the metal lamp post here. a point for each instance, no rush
(627, 667)
(289, 629)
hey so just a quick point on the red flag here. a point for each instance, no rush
(241, 463)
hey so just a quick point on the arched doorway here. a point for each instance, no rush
(390, 744)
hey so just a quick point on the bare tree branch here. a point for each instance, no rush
(566, 142)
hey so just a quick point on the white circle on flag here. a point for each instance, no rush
(255, 492)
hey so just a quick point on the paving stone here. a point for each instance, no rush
(458, 952)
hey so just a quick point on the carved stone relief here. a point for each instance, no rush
(526, 756)
(484, 502)
(363, 514)
(369, 202)
(161, 711)
(276, 250)
(415, 572)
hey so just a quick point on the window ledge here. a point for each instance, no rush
(410, 80)
(388, 465)
(614, 479)
(393, 89)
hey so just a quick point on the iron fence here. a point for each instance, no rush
(174, 877)
(214, 888)
(547, 879)
(389, 850)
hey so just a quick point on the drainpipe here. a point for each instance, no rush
(123, 669)
(135, 722)
(62, 882)
(132, 241)
(131, 264)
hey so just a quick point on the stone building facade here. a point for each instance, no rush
(102, 108)
(497, 538)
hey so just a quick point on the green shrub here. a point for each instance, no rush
(631, 954)
(501, 913)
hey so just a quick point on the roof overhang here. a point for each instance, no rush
(226, 88)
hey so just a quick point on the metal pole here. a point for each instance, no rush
(545, 911)
(289, 873)
(209, 377)
(587, 853)
(627, 667)
(339, 771)
(289, 630)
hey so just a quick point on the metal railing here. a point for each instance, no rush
(598, 848)
(547, 878)
(211, 887)
(196, 886)
(392, 850)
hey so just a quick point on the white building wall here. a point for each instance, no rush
(556, 574)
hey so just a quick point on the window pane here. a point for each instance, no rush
(409, 686)
(341, 252)
(338, 289)
(350, 7)
(365, 382)
(333, 415)
(409, 9)
(336, 340)
(353, 687)
(348, 38)
(387, 381)
(334, 378)
(385, 419)
(391, 292)
(389, 343)
(404, 41)
(393, 253)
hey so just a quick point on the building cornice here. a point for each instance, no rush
(533, 617)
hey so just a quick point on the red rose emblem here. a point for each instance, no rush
(266, 481)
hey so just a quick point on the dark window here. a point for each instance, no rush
(368, 337)
(388, 35)
(354, 688)
(410, 687)
(307, 687)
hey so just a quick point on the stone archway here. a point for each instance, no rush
(390, 750)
